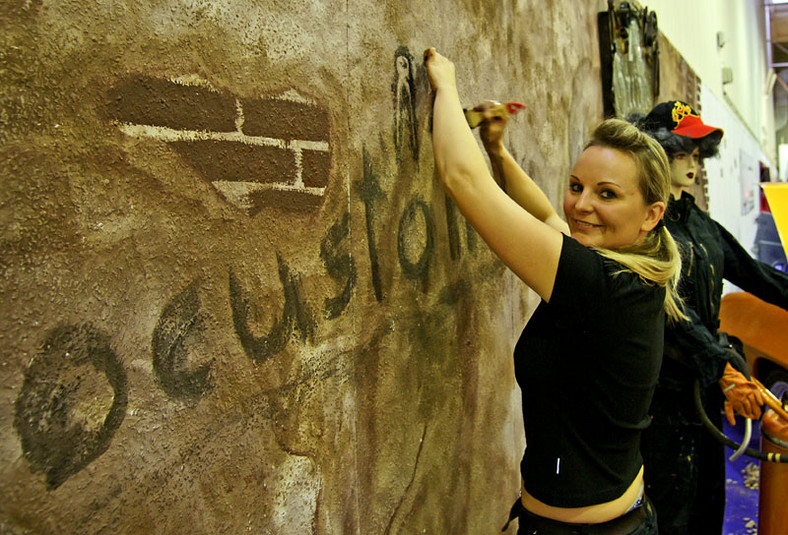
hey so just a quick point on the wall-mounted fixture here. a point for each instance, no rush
(727, 75)
(629, 56)
(720, 40)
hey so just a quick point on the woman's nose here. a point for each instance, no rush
(583, 202)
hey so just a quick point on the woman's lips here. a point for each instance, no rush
(585, 225)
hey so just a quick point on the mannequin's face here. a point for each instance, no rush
(684, 168)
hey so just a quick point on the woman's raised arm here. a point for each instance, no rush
(508, 173)
(528, 246)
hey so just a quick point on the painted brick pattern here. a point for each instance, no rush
(257, 153)
(285, 119)
(238, 162)
(158, 102)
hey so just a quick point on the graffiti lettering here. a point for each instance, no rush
(339, 266)
(371, 194)
(415, 269)
(405, 127)
(72, 401)
(295, 316)
(75, 392)
(180, 321)
(454, 231)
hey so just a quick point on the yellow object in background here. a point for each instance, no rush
(777, 196)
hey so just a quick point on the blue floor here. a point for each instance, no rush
(741, 506)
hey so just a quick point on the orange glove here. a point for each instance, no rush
(742, 396)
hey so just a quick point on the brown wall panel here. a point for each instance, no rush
(235, 298)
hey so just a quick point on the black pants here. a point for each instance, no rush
(640, 521)
(684, 465)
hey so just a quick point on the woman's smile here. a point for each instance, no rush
(583, 225)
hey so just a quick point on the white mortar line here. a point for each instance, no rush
(299, 165)
(262, 186)
(239, 118)
(167, 134)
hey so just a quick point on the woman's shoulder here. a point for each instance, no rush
(590, 267)
(623, 279)
(585, 273)
(579, 259)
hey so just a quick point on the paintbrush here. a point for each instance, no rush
(475, 116)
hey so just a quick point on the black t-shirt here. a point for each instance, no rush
(587, 363)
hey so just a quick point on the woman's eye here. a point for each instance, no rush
(607, 194)
(575, 188)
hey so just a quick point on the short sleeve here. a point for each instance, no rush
(580, 278)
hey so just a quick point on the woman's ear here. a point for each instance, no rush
(653, 216)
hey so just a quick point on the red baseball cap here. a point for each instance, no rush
(680, 118)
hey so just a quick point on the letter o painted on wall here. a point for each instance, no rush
(72, 401)
(415, 214)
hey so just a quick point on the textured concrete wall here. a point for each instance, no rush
(234, 297)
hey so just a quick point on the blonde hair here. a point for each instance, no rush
(656, 258)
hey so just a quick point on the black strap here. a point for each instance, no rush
(627, 523)
(514, 512)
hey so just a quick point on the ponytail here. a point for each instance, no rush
(656, 258)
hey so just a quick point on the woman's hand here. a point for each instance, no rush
(492, 128)
(439, 70)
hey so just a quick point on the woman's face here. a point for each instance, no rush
(684, 168)
(604, 206)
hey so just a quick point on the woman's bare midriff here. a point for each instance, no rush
(592, 514)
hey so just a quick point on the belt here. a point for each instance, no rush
(531, 524)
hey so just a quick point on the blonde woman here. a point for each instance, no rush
(588, 359)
